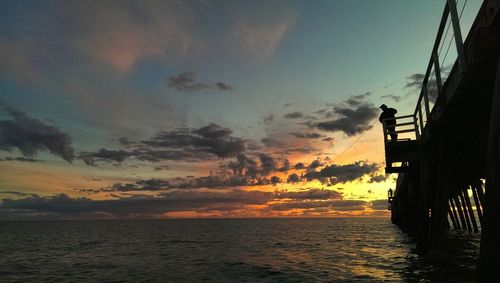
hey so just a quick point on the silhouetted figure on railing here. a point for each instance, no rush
(388, 119)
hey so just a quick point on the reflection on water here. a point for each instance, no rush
(269, 250)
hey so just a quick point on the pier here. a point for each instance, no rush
(448, 155)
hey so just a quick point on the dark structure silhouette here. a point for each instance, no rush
(449, 163)
(387, 118)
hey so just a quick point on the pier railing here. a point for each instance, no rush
(405, 127)
(444, 62)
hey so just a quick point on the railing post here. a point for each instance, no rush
(426, 102)
(437, 72)
(417, 132)
(385, 132)
(420, 118)
(455, 21)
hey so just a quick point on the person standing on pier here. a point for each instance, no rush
(388, 119)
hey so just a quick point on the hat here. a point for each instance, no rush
(383, 106)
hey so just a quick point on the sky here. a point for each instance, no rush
(167, 109)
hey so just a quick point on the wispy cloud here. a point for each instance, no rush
(186, 82)
(31, 135)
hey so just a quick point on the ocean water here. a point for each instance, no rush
(223, 250)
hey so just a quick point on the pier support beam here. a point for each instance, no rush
(466, 211)
(478, 204)
(455, 215)
(489, 261)
(465, 193)
(427, 184)
(460, 212)
(445, 185)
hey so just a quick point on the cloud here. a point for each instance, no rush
(312, 194)
(352, 117)
(270, 142)
(306, 135)
(122, 33)
(293, 178)
(31, 135)
(378, 178)
(334, 174)
(394, 98)
(201, 200)
(185, 82)
(21, 159)
(294, 115)
(268, 119)
(268, 164)
(223, 86)
(414, 81)
(259, 36)
(333, 205)
(15, 61)
(180, 144)
(139, 205)
(380, 204)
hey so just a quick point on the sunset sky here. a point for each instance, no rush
(146, 109)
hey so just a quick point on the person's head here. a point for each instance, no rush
(383, 107)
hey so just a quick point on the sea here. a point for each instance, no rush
(225, 250)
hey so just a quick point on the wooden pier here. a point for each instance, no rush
(448, 162)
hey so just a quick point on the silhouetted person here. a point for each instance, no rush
(388, 113)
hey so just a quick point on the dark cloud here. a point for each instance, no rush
(299, 166)
(275, 180)
(350, 121)
(19, 194)
(212, 139)
(270, 142)
(379, 204)
(293, 178)
(285, 167)
(268, 119)
(31, 135)
(21, 159)
(414, 81)
(186, 82)
(223, 86)
(104, 155)
(306, 135)
(268, 164)
(378, 178)
(190, 145)
(394, 98)
(312, 194)
(162, 167)
(139, 205)
(315, 164)
(294, 115)
(333, 205)
(334, 174)
(357, 100)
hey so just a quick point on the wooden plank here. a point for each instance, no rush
(460, 212)
(405, 124)
(437, 72)
(469, 208)
(478, 204)
(466, 213)
(404, 131)
(455, 215)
